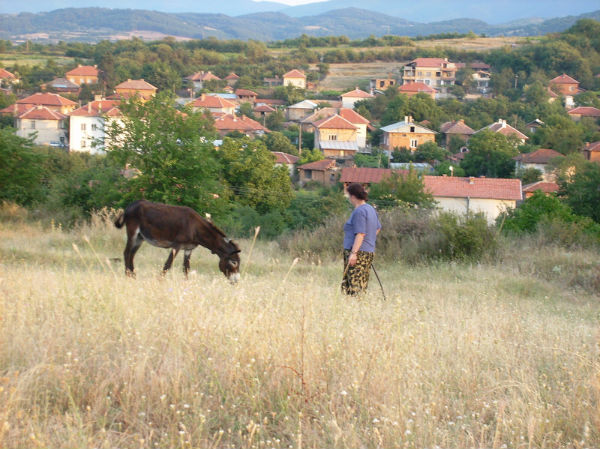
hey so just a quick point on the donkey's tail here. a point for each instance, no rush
(120, 221)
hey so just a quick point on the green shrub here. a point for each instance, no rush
(408, 235)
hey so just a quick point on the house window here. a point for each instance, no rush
(83, 143)
(427, 73)
(308, 174)
(412, 129)
(83, 126)
(94, 127)
(332, 137)
(32, 124)
(414, 143)
(438, 74)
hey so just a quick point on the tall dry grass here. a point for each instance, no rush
(459, 355)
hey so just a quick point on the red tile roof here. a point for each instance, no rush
(322, 165)
(270, 101)
(563, 79)
(98, 108)
(505, 129)
(203, 76)
(263, 108)
(456, 127)
(41, 113)
(334, 122)
(83, 70)
(541, 156)
(284, 158)
(586, 111)
(5, 74)
(212, 102)
(416, 87)
(294, 74)
(357, 93)
(229, 122)
(488, 188)
(593, 146)
(353, 117)
(366, 175)
(429, 62)
(47, 99)
(544, 186)
(136, 84)
(245, 93)
(232, 76)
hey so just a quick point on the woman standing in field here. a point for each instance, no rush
(360, 234)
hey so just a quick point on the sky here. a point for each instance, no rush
(296, 2)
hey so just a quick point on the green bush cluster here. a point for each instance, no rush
(407, 235)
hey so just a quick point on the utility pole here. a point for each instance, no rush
(300, 139)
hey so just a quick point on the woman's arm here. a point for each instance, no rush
(358, 241)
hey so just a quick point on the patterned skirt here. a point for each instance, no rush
(356, 278)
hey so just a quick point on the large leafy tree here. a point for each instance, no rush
(581, 190)
(172, 152)
(401, 189)
(490, 154)
(21, 169)
(249, 170)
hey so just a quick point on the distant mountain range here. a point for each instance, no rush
(489, 11)
(93, 24)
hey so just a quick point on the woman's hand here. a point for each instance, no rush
(352, 259)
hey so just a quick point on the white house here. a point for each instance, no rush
(87, 125)
(48, 126)
(349, 98)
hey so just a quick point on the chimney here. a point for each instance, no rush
(16, 108)
(461, 121)
(471, 180)
(100, 107)
(97, 97)
(406, 119)
(90, 107)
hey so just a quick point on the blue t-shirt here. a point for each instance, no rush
(363, 220)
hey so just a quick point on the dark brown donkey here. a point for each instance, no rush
(176, 227)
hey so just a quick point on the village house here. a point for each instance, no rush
(566, 87)
(324, 172)
(298, 111)
(350, 98)
(199, 78)
(295, 78)
(547, 187)
(87, 125)
(262, 111)
(48, 126)
(361, 123)
(62, 85)
(131, 88)
(285, 160)
(83, 74)
(413, 89)
(336, 137)
(591, 151)
(52, 101)
(584, 111)
(481, 76)
(381, 84)
(214, 104)
(435, 72)
(539, 160)
(534, 125)
(7, 79)
(228, 123)
(231, 79)
(505, 129)
(490, 196)
(456, 128)
(245, 95)
(406, 134)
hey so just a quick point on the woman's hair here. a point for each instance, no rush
(357, 190)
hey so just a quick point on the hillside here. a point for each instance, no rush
(94, 24)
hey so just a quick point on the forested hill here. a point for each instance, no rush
(94, 24)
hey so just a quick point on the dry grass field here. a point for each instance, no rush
(459, 356)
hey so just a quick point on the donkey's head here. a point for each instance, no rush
(230, 260)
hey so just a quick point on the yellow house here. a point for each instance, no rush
(83, 74)
(434, 72)
(295, 78)
(406, 134)
(336, 137)
(131, 88)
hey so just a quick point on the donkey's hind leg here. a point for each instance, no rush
(186, 262)
(169, 262)
(134, 241)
